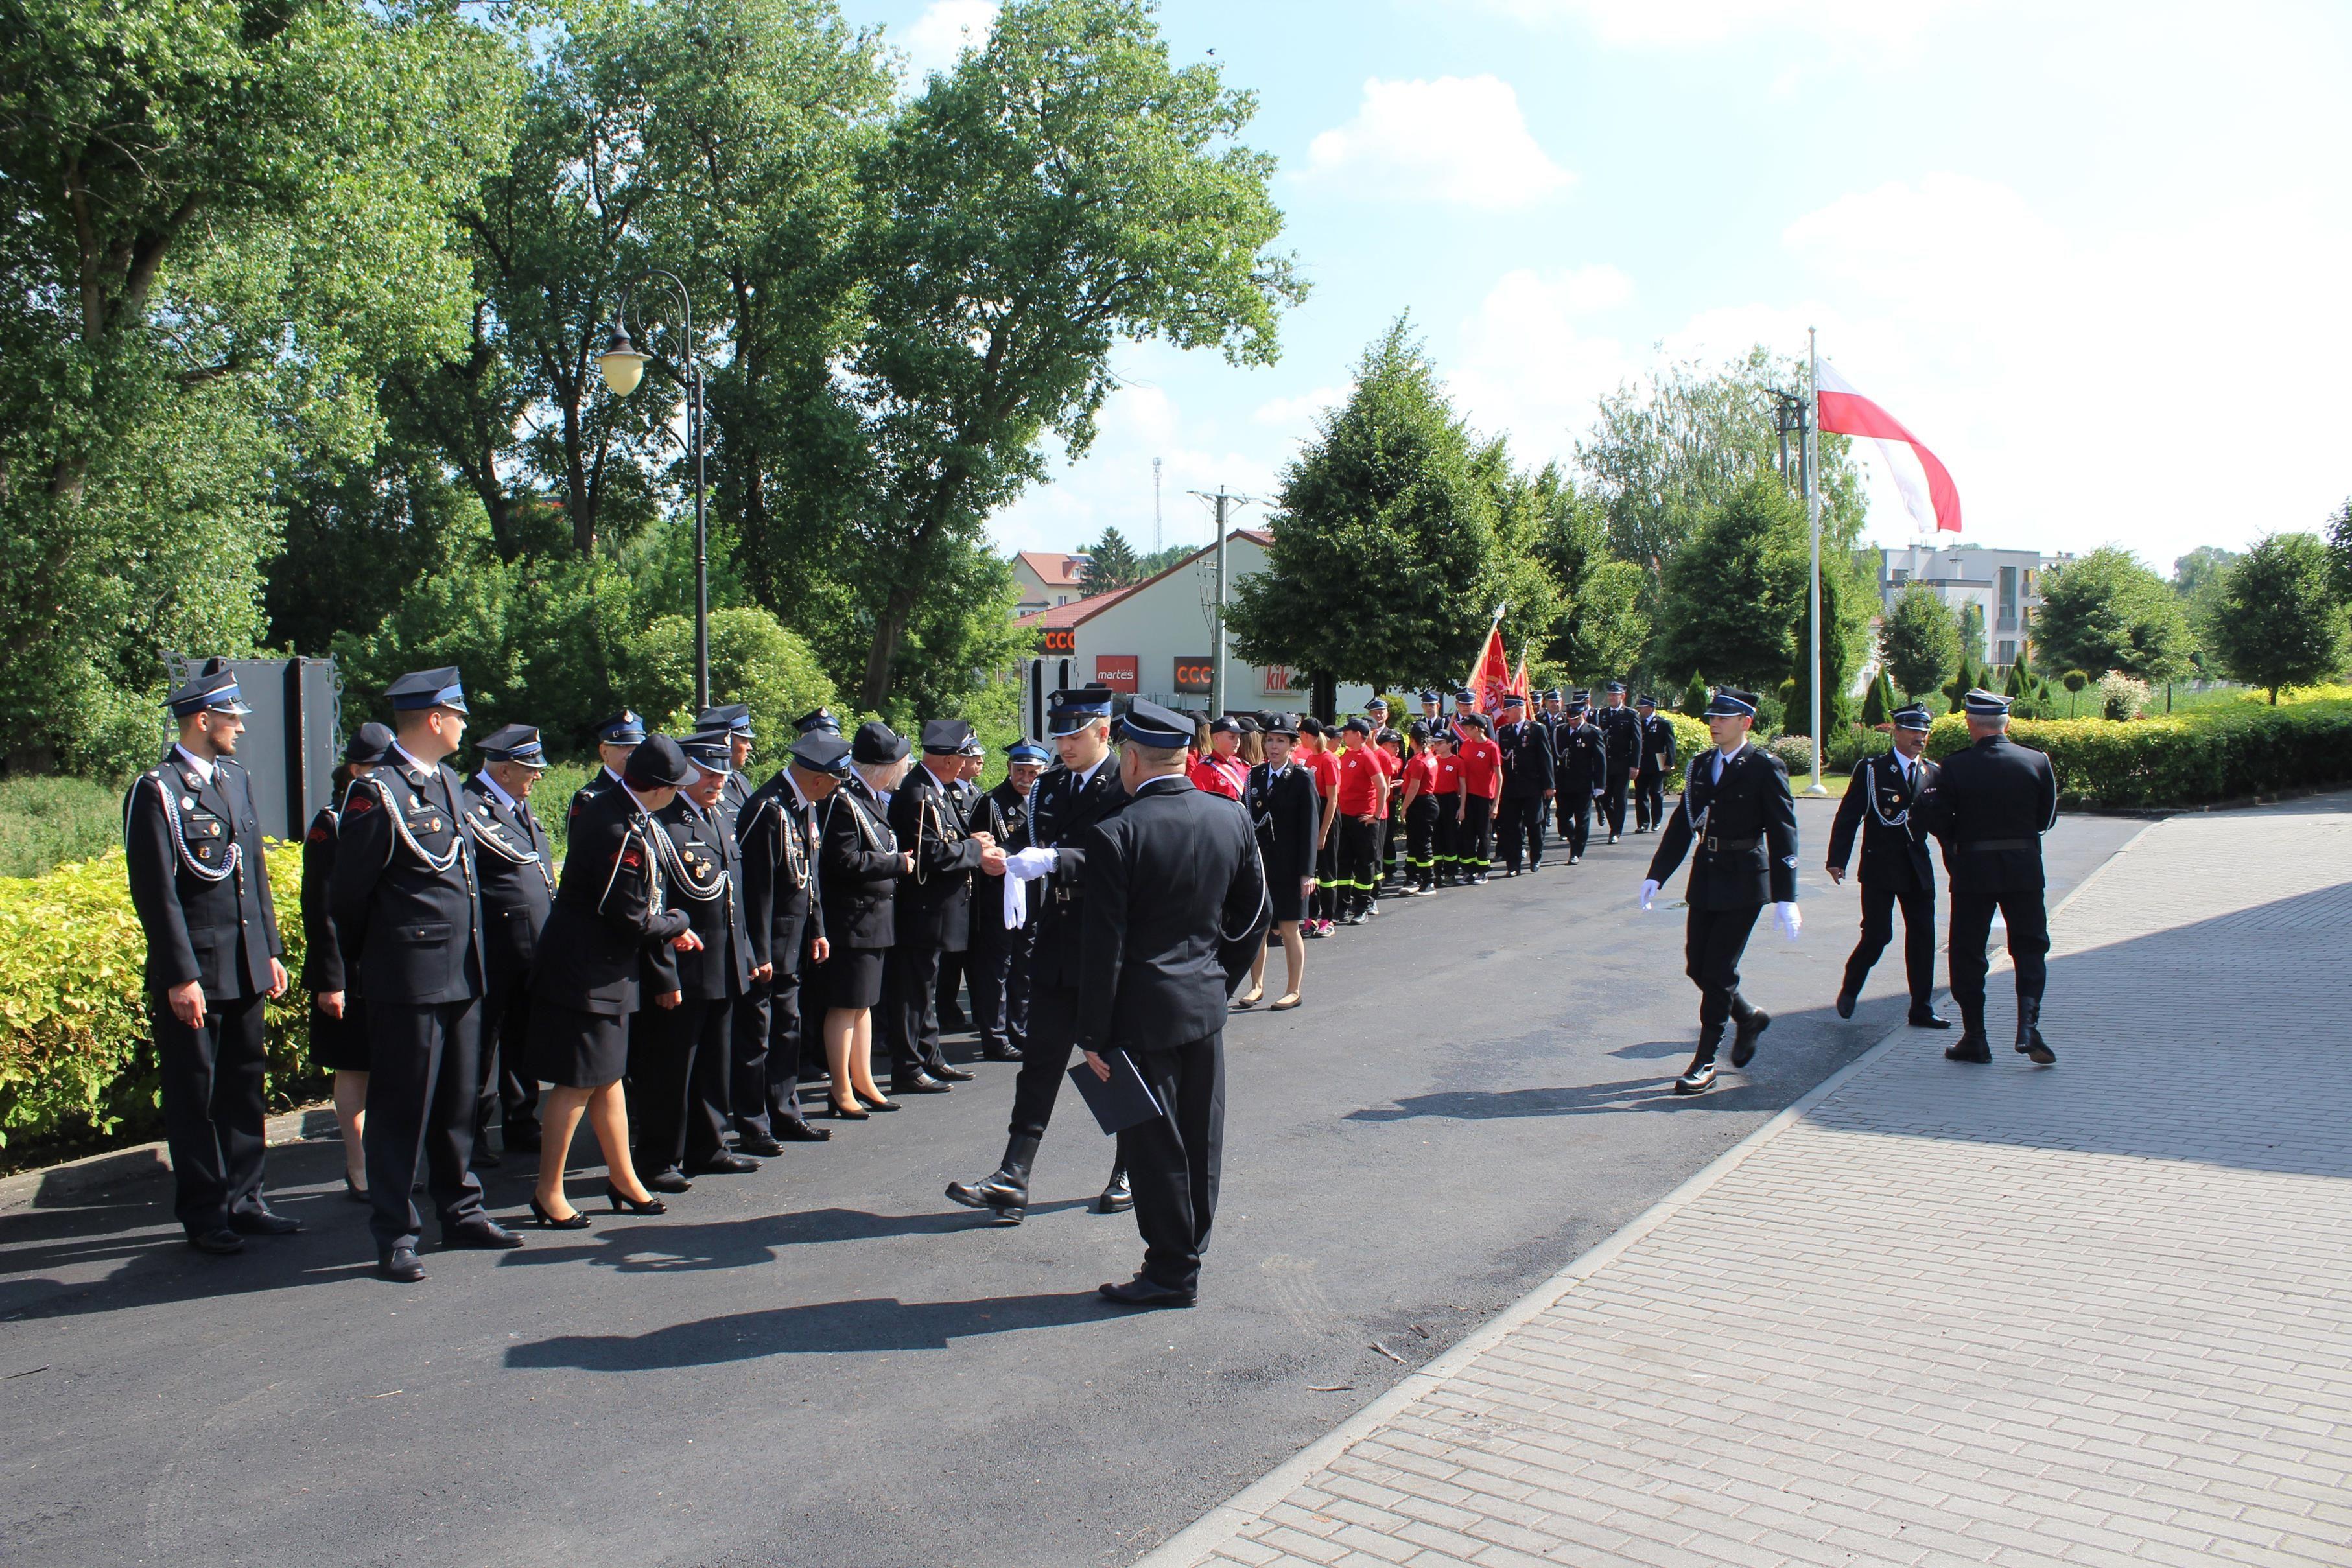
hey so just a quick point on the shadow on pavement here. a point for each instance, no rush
(818, 1328)
(668, 1246)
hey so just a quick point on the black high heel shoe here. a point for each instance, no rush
(353, 1193)
(578, 1221)
(839, 1111)
(872, 1105)
(650, 1205)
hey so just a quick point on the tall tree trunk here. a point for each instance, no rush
(889, 630)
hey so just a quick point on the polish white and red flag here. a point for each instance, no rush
(1926, 485)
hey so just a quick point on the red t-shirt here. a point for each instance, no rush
(1220, 776)
(1445, 775)
(1421, 769)
(1481, 768)
(1363, 783)
(1326, 768)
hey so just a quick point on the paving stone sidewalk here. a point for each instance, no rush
(2097, 1315)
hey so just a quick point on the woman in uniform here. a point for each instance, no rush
(858, 865)
(1283, 807)
(339, 1042)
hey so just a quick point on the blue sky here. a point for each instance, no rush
(2095, 255)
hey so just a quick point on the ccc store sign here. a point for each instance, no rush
(1195, 674)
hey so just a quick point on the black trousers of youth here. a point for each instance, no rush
(1613, 796)
(680, 1060)
(1445, 837)
(1650, 799)
(1053, 1038)
(1392, 832)
(2029, 940)
(910, 1025)
(1421, 840)
(1878, 903)
(1713, 940)
(1325, 905)
(1175, 1158)
(1359, 850)
(1473, 837)
(213, 1111)
(421, 1076)
(1522, 823)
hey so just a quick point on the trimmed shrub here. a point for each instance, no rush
(75, 1059)
(1850, 745)
(2216, 754)
(1691, 738)
(1795, 752)
(2121, 697)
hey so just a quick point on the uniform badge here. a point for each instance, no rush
(213, 827)
(415, 801)
(204, 851)
(188, 802)
(433, 825)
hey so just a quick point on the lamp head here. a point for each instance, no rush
(621, 363)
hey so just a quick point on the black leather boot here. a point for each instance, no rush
(1700, 1076)
(1972, 1046)
(2029, 1034)
(1118, 1196)
(1752, 1021)
(1006, 1189)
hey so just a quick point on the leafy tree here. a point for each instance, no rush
(2340, 551)
(2279, 621)
(1878, 703)
(1057, 192)
(1695, 697)
(1971, 615)
(2199, 569)
(752, 660)
(1387, 525)
(1919, 643)
(1735, 592)
(2106, 611)
(1845, 641)
(1110, 564)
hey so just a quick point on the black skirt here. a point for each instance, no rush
(575, 1050)
(1281, 891)
(852, 977)
(340, 1045)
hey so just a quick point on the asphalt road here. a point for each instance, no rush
(827, 1365)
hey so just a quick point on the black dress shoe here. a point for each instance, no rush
(1118, 1196)
(1970, 1047)
(2036, 1051)
(575, 1220)
(668, 1181)
(486, 1234)
(1743, 1044)
(1141, 1292)
(953, 1021)
(354, 1193)
(263, 1221)
(920, 1084)
(759, 1144)
(853, 1112)
(996, 1052)
(400, 1266)
(1845, 1004)
(947, 1071)
(1613, 838)
(724, 1164)
(1697, 1080)
(1928, 1017)
(793, 1130)
(221, 1242)
(630, 1205)
(875, 1106)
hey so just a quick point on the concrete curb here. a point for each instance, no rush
(1191, 1545)
(51, 1186)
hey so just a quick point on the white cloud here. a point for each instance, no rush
(937, 37)
(1682, 23)
(1298, 412)
(1527, 368)
(1458, 139)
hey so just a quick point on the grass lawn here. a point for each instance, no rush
(45, 822)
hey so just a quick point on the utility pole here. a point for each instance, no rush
(1155, 505)
(1813, 518)
(1223, 504)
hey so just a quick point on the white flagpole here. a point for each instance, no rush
(1813, 516)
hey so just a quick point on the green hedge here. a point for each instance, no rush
(74, 1060)
(2224, 753)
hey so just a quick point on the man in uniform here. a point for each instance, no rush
(201, 891)
(965, 789)
(1082, 791)
(1527, 785)
(1433, 712)
(1582, 771)
(409, 918)
(816, 720)
(1621, 733)
(777, 834)
(996, 965)
(1990, 805)
(681, 1052)
(517, 867)
(1177, 907)
(1739, 823)
(934, 906)
(1482, 781)
(1657, 759)
(1895, 866)
(615, 737)
(733, 720)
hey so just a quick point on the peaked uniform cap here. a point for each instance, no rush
(1913, 716)
(945, 736)
(711, 750)
(427, 689)
(623, 728)
(821, 751)
(657, 764)
(1985, 705)
(1731, 703)
(1149, 724)
(212, 689)
(515, 743)
(371, 743)
(817, 719)
(733, 717)
(1026, 751)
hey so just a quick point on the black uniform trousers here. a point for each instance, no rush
(423, 1079)
(1325, 905)
(767, 1050)
(508, 1086)
(911, 1020)
(2028, 940)
(680, 1060)
(1713, 941)
(1445, 838)
(1575, 819)
(211, 1081)
(1053, 1039)
(1420, 840)
(1390, 869)
(1878, 902)
(1360, 868)
(1173, 1159)
(1650, 799)
(996, 967)
(1473, 837)
(954, 977)
(1613, 797)
(1522, 823)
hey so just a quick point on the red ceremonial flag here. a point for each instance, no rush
(1490, 677)
(1519, 681)
(1926, 485)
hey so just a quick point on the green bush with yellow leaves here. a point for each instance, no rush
(2231, 752)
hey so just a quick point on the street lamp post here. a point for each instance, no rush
(623, 366)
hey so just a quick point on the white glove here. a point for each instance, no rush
(1790, 921)
(1649, 892)
(1016, 901)
(1028, 866)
